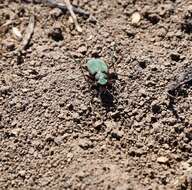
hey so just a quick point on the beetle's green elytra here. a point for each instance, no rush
(96, 65)
(99, 69)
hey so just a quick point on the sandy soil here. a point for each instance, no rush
(55, 133)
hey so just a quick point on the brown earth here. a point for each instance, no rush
(53, 135)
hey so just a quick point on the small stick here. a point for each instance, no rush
(63, 7)
(70, 8)
(28, 34)
(6, 24)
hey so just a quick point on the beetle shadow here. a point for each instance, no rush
(107, 97)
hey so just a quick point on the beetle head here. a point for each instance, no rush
(101, 78)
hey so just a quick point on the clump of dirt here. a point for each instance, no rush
(55, 133)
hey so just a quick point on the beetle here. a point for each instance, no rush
(98, 73)
(99, 69)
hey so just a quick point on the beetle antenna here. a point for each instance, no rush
(80, 66)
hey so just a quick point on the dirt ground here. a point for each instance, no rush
(55, 132)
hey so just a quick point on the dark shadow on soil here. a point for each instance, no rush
(108, 98)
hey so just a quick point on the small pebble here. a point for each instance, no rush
(75, 116)
(85, 144)
(49, 137)
(109, 124)
(22, 173)
(83, 107)
(56, 12)
(135, 18)
(70, 156)
(31, 150)
(82, 49)
(142, 92)
(162, 160)
(17, 34)
(58, 140)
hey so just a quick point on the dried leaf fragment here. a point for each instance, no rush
(28, 33)
(70, 8)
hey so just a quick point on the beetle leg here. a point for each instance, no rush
(82, 71)
(78, 62)
(114, 60)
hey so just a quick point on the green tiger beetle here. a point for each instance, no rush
(99, 74)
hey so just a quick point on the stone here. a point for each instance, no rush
(22, 173)
(82, 49)
(49, 137)
(85, 144)
(15, 131)
(83, 108)
(70, 156)
(115, 114)
(58, 140)
(56, 12)
(135, 18)
(162, 160)
(142, 92)
(31, 150)
(75, 116)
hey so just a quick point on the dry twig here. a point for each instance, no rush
(28, 34)
(70, 8)
(63, 7)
